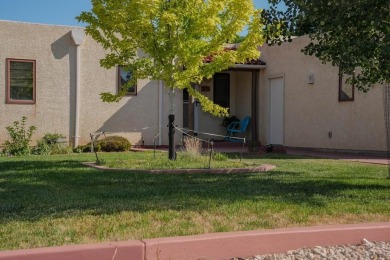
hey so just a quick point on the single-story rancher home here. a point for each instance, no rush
(52, 75)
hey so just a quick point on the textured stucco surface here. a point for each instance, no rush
(52, 48)
(134, 117)
(311, 111)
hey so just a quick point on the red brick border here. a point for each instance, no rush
(212, 246)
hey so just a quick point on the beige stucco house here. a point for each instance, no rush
(292, 99)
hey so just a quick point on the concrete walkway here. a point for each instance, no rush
(356, 157)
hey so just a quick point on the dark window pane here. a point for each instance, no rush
(221, 90)
(346, 91)
(21, 80)
(124, 76)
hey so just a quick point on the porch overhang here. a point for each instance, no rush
(248, 67)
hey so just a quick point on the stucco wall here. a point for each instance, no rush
(52, 47)
(313, 110)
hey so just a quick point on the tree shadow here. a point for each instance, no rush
(31, 190)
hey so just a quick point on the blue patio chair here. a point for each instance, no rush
(236, 128)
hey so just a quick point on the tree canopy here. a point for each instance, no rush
(353, 35)
(175, 37)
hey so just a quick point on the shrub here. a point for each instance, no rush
(114, 144)
(52, 138)
(20, 138)
(49, 144)
(109, 144)
(42, 148)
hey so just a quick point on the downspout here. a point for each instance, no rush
(78, 36)
(160, 110)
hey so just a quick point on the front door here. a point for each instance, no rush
(222, 89)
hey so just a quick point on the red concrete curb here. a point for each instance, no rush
(212, 246)
(132, 249)
(249, 243)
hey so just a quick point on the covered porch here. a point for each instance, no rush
(238, 90)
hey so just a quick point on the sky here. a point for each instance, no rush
(58, 12)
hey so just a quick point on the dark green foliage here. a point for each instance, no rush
(228, 120)
(52, 138)
(52, 144)
(114, 144)
(351, 35)
(42, 148)
(108, 144)
(20, 137)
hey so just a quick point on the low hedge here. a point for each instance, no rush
(109, 144)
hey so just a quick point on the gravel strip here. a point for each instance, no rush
(363, 251)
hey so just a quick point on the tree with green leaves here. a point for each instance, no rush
(175, 36)
(353, 35)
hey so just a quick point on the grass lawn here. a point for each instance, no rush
(159, 160)
(54, 200)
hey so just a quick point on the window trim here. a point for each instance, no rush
(9, 100)
(119, 85)
(341, 85)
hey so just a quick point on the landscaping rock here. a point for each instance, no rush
(366, 250)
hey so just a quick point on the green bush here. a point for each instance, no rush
(52, 138)
(20, 138)
(42, 148)
(49, 144)
(108, 144)
(114, 144)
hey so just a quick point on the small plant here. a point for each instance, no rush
(100, 162)
(20, 138)
(52, 138)
(217, 156)
(52, 144)
(193, 146)
(42, 148)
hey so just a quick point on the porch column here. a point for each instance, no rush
(255, 87)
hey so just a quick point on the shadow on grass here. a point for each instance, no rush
(30, 190)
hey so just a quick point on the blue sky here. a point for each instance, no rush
(60, 12)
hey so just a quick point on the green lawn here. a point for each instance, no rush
(54, 200)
